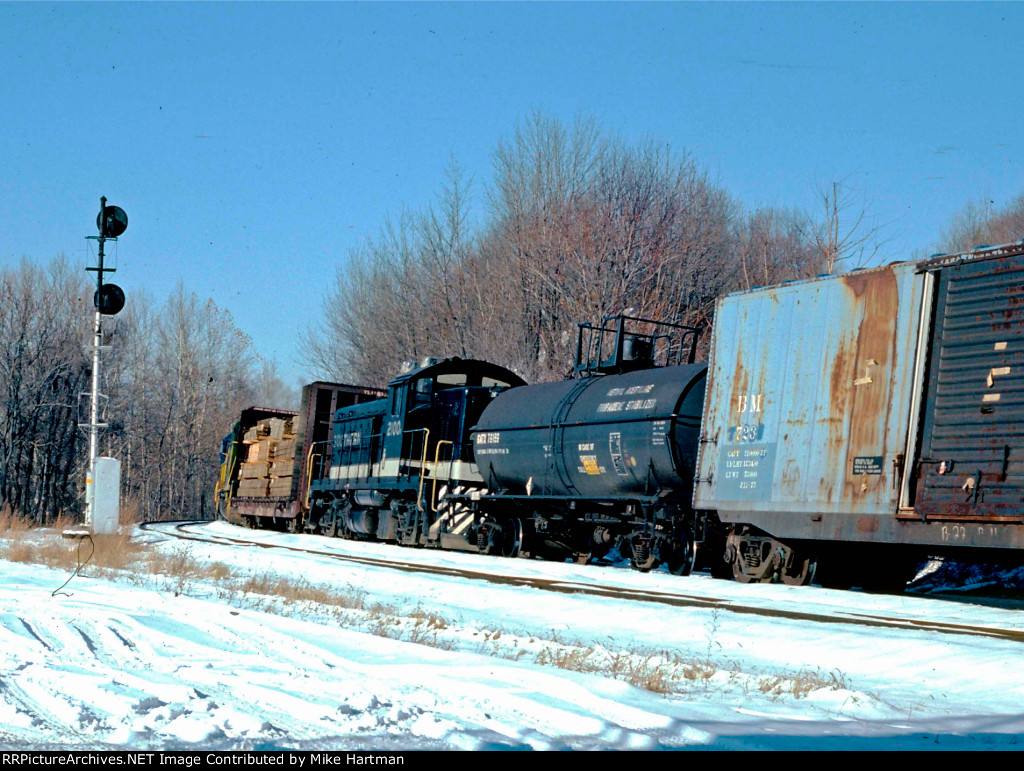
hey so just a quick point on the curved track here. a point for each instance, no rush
(187, 530)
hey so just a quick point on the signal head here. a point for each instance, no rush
(109, 300)
(112, 221)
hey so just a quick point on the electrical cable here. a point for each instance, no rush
(78, 570)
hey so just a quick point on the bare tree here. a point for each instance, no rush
(178, 377)
(43, 321)
(772, 247)
(616, 227)
(979, 223)
(270, 390)
(842, 232)
(446, 243)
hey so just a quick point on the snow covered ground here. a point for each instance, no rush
(358, 656)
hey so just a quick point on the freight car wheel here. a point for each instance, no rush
(505, 539)
(801, 570)
(682, 558)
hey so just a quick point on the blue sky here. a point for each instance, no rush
(254, 144)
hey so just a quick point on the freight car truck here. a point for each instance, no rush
(270, 456)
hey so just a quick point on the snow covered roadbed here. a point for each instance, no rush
(422, 662)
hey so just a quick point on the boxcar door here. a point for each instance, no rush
(971, 463)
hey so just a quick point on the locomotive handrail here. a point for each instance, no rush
(423, 463)
(433, 489)
(309, 472)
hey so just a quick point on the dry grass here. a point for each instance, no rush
(573, 659)
(11, 523)
(115, 552)
(87, 556)
(298, 592)
(699, 670)
(429, 620)
(800, 684)
(661, 672)
(53, 554)
(177, 564)
(130, 513)
(658, 672)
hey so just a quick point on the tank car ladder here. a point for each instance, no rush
(557, 440)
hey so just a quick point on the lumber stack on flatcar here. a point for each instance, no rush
(269, 461)
(268, 458)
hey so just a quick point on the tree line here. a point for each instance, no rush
(578, 226)
(175, 379)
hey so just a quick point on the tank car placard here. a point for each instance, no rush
(619, 458)
(745, 472)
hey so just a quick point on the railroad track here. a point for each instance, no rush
(181, 530)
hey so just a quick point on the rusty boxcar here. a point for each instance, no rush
(850, 415)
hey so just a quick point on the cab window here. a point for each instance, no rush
(421, 392)
(451, 380)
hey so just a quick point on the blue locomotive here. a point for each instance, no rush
(390, 462)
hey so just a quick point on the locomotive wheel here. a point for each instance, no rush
(331, 529)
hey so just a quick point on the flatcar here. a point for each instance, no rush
(266, 458)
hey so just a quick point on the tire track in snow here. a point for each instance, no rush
(32, 631)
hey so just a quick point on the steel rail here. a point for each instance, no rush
(673, 599)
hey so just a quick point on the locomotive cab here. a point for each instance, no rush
(394, 460)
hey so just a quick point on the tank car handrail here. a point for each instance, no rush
(593, 362)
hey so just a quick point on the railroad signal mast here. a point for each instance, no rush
(100, 485)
